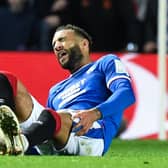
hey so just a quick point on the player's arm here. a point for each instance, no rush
(119, 83)
(122, 97)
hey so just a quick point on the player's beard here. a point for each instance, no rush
(74, 60)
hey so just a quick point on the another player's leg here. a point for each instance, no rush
(9, 126)
(8, 87)
(15, 142)
(49, 125)
(46, 127)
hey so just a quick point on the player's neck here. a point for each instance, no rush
(79, 65)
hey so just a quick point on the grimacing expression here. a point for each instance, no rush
(74, 58)
(66, 47)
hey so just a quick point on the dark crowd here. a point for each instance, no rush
(115, 25)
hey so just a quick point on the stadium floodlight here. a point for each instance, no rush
(162, 34)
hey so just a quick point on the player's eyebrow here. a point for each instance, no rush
(59, 39)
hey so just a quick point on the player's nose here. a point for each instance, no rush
(58, 46)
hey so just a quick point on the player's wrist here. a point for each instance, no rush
(97, 114)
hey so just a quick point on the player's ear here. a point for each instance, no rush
(84, 43)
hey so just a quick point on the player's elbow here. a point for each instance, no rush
(131, 95)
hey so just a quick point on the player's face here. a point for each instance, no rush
(66, 47)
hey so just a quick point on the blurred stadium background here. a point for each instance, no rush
(146, 120)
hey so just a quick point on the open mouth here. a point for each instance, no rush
(63, 56)
(62, 53)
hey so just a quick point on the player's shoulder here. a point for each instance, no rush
(108, 57)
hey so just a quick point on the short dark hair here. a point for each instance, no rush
(79, 31)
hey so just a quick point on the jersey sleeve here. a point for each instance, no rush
(113, 69)
(118, 81)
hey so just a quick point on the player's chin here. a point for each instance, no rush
(64, 65)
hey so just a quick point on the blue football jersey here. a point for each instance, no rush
(93, 85)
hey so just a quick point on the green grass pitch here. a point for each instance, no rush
(122, 154)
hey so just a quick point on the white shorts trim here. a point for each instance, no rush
(76, 145)
(83, 146)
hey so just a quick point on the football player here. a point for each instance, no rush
(83, 112)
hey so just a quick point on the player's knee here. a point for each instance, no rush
(63, 120)
(66, 123)
(9, 80)
(8, 87)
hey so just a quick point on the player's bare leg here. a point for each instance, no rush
(14, 99)
(49, 125)
(23, 103)
(36, 133)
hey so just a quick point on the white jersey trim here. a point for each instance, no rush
(117, 77)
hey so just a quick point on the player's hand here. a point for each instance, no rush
(87, 117)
